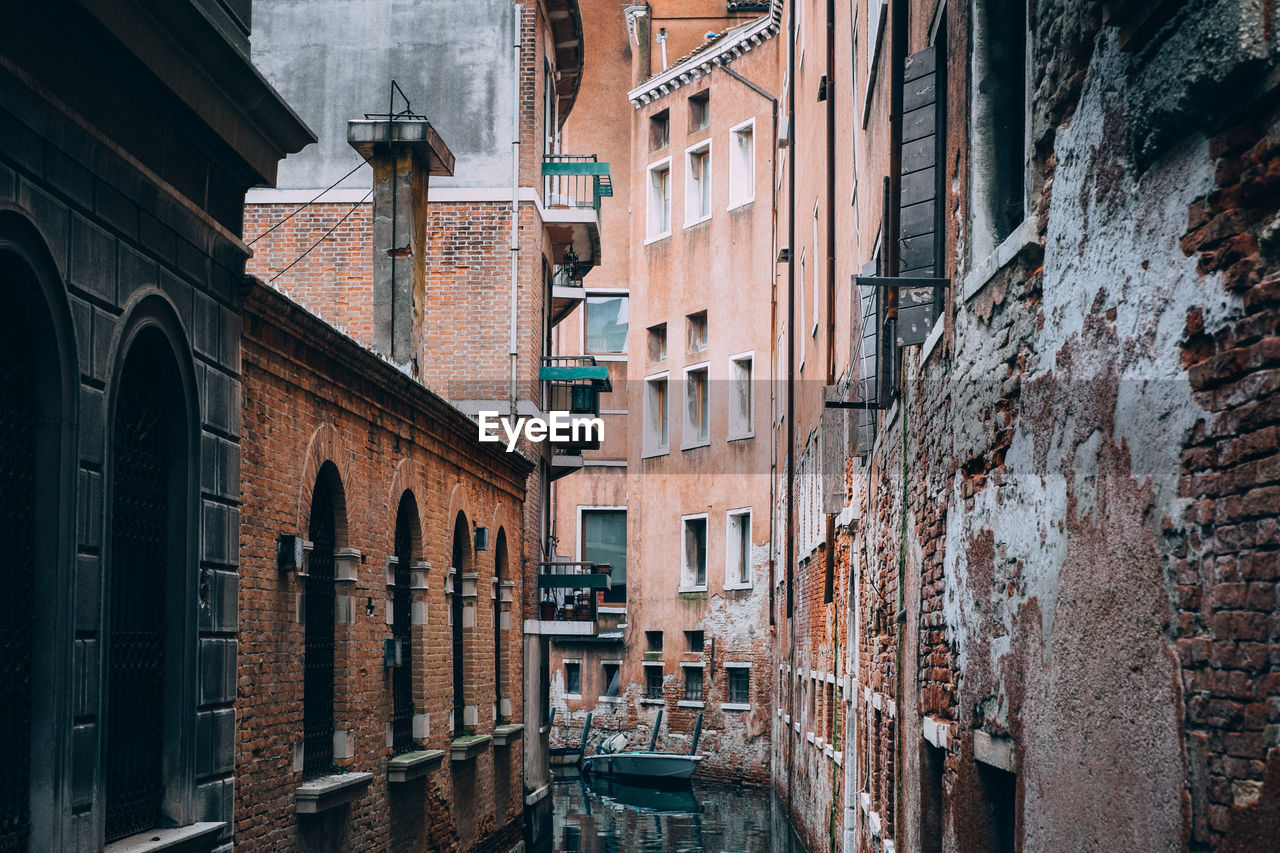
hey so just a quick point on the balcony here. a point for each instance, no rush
(567, 605)
(572, 186)
(574, 385)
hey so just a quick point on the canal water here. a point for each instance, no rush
(605, 816)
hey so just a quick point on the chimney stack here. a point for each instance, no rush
(403, 153)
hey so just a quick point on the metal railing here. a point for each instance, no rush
(568, 591)
(574, 181)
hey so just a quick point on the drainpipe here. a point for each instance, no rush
(513, 345)
(897, 58)
(789, 554)
(831, 374)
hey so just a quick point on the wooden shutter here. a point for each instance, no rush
(920, 205)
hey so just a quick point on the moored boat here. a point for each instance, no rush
(648, 765)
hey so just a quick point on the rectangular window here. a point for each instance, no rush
(698, 184)
(658, 342)
(573, 678)
(693, 552)
(741, 402)
(612, 687)
(699, 111)
(739, 685)
(607, 324)
(804, 266)
(653, 682)
(738, 548)
(697, 409)
(742, 164)
(655, 415)
(660, 200)
(693, 683)
(659, 130)
(697, 331)
(653, 641)
(695, 640)
(604, 540)
(816, 293)
(998, 121)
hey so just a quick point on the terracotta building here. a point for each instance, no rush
(131, 131)
(677, 499)
(508, 237)
(1030, 554)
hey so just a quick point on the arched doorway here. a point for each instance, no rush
(318, 642)
(402, 624)
(501, 570)
(147, 581)
(461, 561)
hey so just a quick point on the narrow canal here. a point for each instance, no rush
(605, 816)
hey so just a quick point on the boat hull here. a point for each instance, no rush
(651, 766)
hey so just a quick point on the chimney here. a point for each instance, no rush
(403, 153)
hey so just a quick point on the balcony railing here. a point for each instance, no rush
(568, 590)
(574, 385)
(574, 181)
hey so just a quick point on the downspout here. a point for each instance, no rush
(897, 56)
(790, 431)
(513, 349)
(831, 379)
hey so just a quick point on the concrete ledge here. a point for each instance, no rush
(467, 748)
(998, 752)
(413, 765)
(1022, 239)
(505, 735)
(196, 838)
(327, 792)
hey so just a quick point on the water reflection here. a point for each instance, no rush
(607, 816)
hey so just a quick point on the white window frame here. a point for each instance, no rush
(652, 232)
(736, 706)
(692, 703)
(588, 292)
(731, 551)
(686, 442)
(817, 293)
(687, 578)
(647, 447)
(735, 431)
(742, 188)
(614, 700)
(577, 662)
(693, 214)
(804, 254)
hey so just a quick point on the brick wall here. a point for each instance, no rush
(313, 396)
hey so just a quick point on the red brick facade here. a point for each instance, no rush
(314, 399)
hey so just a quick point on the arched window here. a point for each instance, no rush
(402, 626)
(17, 573)
(318, 651)
(500, 569)
(147, 568)
(461, 564)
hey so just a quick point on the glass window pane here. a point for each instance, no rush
(607, 324)
(604, 540)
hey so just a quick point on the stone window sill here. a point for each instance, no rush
(413, 765)
(692, 590)
(327, 792)
(610, 700)
(1022, 238)
(505, 735)
(196, 838)
(691, 703)
(467, 748)
(647, 701)
(735, 706)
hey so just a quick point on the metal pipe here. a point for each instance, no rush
(513, 348)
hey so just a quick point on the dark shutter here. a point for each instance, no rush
(920, 207)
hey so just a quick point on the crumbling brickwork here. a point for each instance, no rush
(315, 401)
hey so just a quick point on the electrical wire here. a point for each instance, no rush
(323, 238)
(308, 204)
